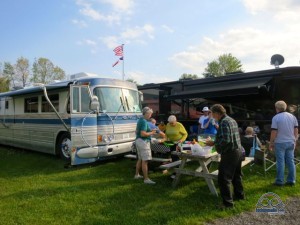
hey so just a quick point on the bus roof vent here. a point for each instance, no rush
(82, 74)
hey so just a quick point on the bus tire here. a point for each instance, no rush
(63, 146)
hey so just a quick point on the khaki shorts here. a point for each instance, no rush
(143, 149)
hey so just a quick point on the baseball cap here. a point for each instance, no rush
(205, 109)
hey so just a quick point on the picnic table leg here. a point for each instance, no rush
(209, 181)
(178, 173)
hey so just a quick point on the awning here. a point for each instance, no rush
(224, 88)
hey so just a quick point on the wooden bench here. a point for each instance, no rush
(170, 165)
(131, 156)
(247, 161)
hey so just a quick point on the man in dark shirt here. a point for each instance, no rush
(228, 144)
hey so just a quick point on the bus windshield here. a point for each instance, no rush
(114, 99)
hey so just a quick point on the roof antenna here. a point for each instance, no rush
(277, 60)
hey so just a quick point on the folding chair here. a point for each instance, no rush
(297, 161)
(264, 159)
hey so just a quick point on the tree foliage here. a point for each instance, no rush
(4, 84)
(225, 64)
(44, 71)
(22, 71)
(9, 72)
(188, 76)
(21, 74)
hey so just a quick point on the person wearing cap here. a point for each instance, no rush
(205, 111)
(210, 125)
(143, 138)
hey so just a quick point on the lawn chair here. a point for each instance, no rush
(265, 159)
(297, 161)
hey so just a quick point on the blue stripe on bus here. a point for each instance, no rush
(89, 121)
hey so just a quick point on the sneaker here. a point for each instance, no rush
(138, 176)
(173, 176)
(290, 183)
(148, 181)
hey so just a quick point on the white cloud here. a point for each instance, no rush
(167, 28)
(124, 6)
(90, 42)
(110, 41)
(137, 34)
(119, 8)
(252, 46)
(139, 77)
(277, 13)
(80, 23)
(273, 6)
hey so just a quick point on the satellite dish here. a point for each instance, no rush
(277, 60)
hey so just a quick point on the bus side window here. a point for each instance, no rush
(85, 99)
(31, 105)
(75, 99)
(6, 104)
(54, 99)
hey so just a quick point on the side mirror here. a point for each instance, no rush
(141, 95)
(94, 104)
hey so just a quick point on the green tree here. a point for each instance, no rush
(44, 71)
(9, 72)
(188, 76)
(4, 84)
(225, 64)
(22, 70)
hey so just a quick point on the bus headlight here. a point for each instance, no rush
(111, 137)
(106, 138)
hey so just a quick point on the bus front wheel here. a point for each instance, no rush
(64, 146)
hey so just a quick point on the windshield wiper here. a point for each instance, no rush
(127, 103)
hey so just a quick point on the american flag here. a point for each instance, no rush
(117, 61)
(119, 50)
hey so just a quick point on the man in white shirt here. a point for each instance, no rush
(283, 139)
(205, 111)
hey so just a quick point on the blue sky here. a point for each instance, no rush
(163, 38)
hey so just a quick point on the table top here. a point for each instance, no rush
(191, 156)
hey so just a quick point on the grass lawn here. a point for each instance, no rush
(35, 188)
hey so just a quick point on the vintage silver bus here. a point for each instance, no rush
(84, 119)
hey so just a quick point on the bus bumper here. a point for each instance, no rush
(92, 154)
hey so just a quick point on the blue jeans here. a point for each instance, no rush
(285, 155)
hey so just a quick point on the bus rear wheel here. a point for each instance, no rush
(64, 146)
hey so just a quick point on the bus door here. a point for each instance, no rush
(7, 119)
(83, 126)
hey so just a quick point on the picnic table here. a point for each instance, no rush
(201, 171)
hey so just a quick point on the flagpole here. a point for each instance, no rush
(123, 74)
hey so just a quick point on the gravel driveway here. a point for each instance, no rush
(291, 216)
